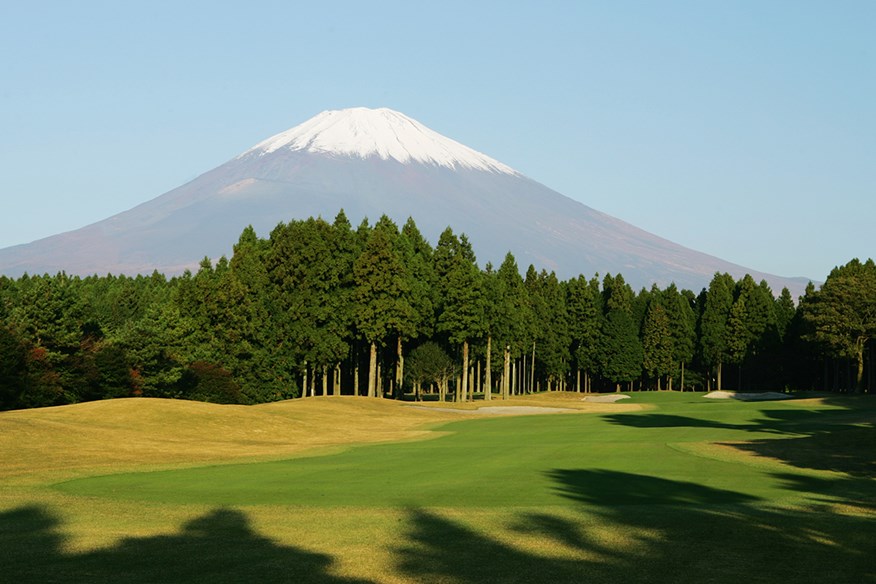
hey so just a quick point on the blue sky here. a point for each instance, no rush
(743, 129)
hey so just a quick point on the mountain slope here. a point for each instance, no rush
(371, 162)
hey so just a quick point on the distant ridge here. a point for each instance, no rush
(372, 162)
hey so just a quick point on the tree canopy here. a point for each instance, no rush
(318, 305)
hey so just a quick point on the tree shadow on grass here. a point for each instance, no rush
(634, 528)
(219, 547)
(851, 451)
(440, 550)
(672, 421)
(851, 491)
(772, 421)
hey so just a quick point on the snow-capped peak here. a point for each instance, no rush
(380, 132)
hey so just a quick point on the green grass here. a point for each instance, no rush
(499, 462)
(687, 489)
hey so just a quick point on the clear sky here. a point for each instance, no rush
(745, 129)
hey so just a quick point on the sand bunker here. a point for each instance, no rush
(766, 395)
(502, 410)
(605, 399)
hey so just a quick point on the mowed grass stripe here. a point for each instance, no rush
(494, 462)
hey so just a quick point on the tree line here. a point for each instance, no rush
(321, 308)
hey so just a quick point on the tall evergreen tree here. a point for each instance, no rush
(584, 304)
(462, 310)
(843, 312)
(657, 339)
(682, 326)
(620, 348)
(713, 323)
(511, 311)
(417, 257)
(552, 334)
(382, 294)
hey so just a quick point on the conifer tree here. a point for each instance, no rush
(842, 313)
(417, 257)
(657, 340)
(510, 314)
(620, 348)
(713, 323)
(682, 326)
(462, 312)
(584, 304)
(382, 294)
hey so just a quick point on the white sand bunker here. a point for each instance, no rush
(605, 399)
(505, 410)
(502, 410)
(766, 395)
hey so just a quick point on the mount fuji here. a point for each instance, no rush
(372, 162)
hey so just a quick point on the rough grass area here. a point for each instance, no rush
(659, 488)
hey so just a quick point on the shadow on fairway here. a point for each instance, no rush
(635, 528)
(859, 492)
(851, 451)
(771, 421)
(218, 547)
(673, 421)
(609, 488)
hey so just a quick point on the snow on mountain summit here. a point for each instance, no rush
(364, 132)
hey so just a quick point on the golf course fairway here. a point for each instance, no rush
(662, 488)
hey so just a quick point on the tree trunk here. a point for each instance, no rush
(325, 380)
(681, 384)
(378, 382)
(720, 367)
(464, 384)
(859, 377)
(521, 384)
(506, 372)
(532, 368)
(513, 377)
(305, 385)
(488, 384)
(356, 379)
(372, 371)
(470, 390)
(400, 370)
(336, 386)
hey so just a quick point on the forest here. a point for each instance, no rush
(322, 308)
